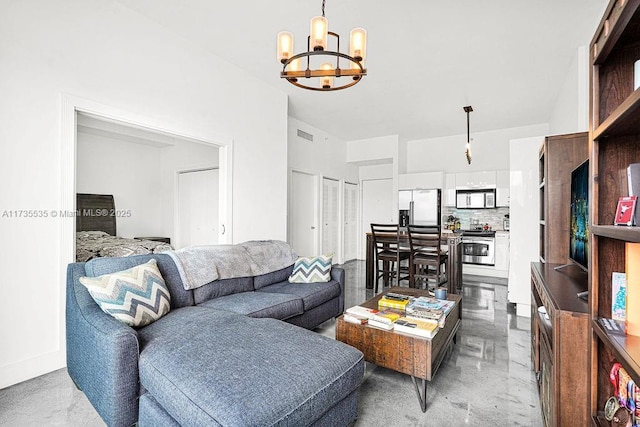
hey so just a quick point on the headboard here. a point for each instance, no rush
(95, 212)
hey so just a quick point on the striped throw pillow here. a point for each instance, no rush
(312, 269)
(137, 296)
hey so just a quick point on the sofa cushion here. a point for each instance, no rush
(137, 296)
(240, 371)
(179, 296)
(271, 278)
(312, 294)
(222, 287)
(312, 269)
(259, 304)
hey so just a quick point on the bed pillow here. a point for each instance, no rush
(137, 296)
(312, 269)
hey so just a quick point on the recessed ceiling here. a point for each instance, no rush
(426, 59)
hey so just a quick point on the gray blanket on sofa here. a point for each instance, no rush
(199, 265)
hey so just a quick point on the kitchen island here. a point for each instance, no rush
(452, 240)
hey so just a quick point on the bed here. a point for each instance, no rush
(96, 236)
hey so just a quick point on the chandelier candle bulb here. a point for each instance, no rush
(285, 46)
(358, 44)
(319, 29)
(327, 81)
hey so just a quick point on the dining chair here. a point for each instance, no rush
(428, 260)
(390, 253)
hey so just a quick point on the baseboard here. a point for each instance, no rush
(28, 369)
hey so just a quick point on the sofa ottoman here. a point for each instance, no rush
(206, 367)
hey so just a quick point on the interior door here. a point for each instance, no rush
(197, 222)
(303, 202)
(330, 217)
(377, 207)
(350, 232)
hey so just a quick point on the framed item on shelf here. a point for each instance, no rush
(626, 209)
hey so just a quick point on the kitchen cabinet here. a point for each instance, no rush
(450, 189)
(502, 189)
(502, 251)
(423, 180)
(475, 180)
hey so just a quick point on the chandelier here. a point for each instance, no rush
(323, 66)
(467, 152)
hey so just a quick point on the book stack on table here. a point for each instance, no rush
(420, 316)
(394, 301)
(421, 327)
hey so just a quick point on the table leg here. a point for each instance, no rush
(422, 394)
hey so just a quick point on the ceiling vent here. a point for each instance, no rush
(304, 135)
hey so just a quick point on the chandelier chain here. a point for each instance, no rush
(323, 8)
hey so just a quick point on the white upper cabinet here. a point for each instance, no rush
(502, 188)
(423, 180)
(475, 180)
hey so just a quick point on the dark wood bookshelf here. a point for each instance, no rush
(615, 143)
(618, 232)
(626, 349)
(624, 120)
(558, 343)
(560, 154)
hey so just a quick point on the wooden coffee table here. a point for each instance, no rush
(415, 356)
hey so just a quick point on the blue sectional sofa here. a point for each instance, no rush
(235, 352)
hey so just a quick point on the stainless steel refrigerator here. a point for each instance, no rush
(424, 206)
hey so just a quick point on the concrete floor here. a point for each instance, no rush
(486, 380)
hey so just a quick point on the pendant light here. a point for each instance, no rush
(467, 152)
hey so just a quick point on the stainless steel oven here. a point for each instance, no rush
(479, 249)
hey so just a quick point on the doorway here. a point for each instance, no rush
(303, 213)
(350, 219)
(197, 208)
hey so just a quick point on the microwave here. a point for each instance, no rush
(476, 199)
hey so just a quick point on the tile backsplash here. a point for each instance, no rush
(493, 217)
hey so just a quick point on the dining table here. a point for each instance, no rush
(451, 241)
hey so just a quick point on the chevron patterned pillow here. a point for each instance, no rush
(137, 296)
(312, 269)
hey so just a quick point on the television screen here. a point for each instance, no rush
(579, 219)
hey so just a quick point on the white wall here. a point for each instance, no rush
(382, 149)
(489, 150)
(326, 155)
(524, 220)
(101, 51)
(182, 156)
(129, 172)
(571, 111)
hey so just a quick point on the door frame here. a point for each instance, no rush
(344, 184)
(70, 106)
(316, 211)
